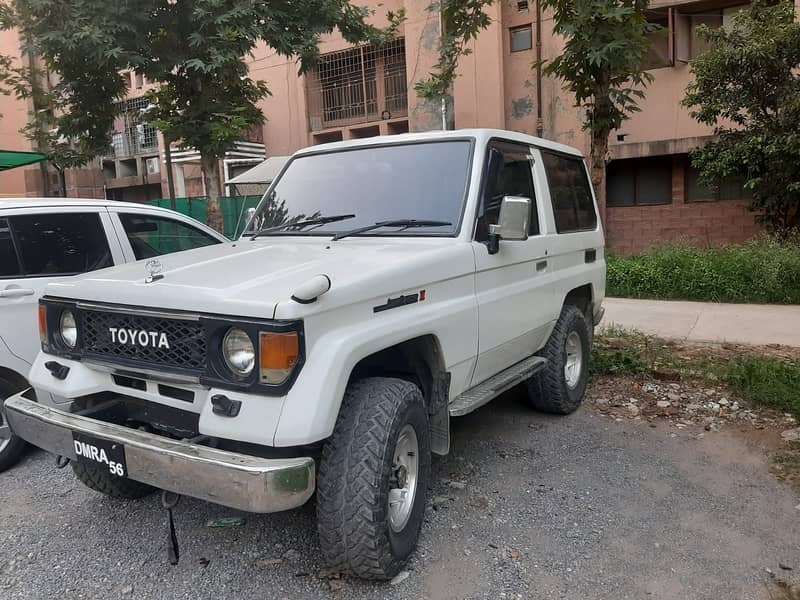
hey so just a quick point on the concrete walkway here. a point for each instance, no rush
(756, 324)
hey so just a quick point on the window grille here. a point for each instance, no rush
(132, 133)
(358, 85)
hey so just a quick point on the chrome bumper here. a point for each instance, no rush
(236, 480)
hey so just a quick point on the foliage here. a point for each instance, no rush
(462, 21)
(602, 64)
(747, 85)
(765, 381)
(603, 57)
(762, 271)
(195, 49)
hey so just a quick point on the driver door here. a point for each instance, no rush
(514, 286)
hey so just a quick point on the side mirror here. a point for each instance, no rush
(515, 215)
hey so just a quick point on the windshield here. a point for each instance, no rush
(423, 181)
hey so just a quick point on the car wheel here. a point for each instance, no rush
(11, 446)
(560, 387)
(374, 478)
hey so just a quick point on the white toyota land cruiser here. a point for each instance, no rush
(386, 285)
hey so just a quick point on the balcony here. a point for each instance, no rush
(133, 135)
(358, 85)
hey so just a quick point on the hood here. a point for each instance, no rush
(249, 278)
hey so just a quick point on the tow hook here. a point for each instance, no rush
(169, 500)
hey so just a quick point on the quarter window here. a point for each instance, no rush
(151, 236)
(9, 263)
(61, 244)
(509, 173)
(570, 192)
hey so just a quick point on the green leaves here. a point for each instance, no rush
(747, 87)
(195, 49)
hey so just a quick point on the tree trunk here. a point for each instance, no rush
(62, 183)
(213, 183)
(598, 169)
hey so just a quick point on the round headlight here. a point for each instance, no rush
(238, 351)
(68, 329)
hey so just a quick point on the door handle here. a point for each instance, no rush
(541, 265)
(16, 293)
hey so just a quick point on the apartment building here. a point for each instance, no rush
(652, 193)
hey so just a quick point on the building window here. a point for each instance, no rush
(659, 54)
(522, 6)
(721, 17)
(730, 189)
(639, 182)
(358, 85)
(521, 39)
(132, 133)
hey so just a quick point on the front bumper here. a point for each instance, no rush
(236, 480)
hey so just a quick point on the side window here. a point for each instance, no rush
(61, 244)
(508, 173)
(153, 236)
(570, 192)
(9, 263)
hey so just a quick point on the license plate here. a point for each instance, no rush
(107, 455)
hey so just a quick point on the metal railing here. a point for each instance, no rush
(358, 85)
(132, 134)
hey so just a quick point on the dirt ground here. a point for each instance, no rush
(609, 503)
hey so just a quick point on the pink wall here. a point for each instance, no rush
(13, 116)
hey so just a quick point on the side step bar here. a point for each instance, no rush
(494, 386)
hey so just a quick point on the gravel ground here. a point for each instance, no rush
(525, 506)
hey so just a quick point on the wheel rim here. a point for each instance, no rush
(573, 365)
(5, 430)
(403, 483)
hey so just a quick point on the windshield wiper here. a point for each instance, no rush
(302, 223)
(404, 223)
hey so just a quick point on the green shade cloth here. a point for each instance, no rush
(11, 160)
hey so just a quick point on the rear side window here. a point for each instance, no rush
(9, 263)
(570, 192)
(153, 236)
(61, 244)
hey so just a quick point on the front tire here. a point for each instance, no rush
(373, 479)
(560, 387)
(11, 446)
(117, 487)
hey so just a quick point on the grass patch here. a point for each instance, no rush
(766, 381)
(762, 380)
(763, 271)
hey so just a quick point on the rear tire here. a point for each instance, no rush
(560, 387)
(373, 479)
(12, 447)
(117, 487)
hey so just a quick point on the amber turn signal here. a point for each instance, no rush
(278, 354)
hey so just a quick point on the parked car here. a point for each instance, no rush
(391, 284)
(56, 239)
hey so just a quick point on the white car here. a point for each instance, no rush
(388, 285)
(56, 239)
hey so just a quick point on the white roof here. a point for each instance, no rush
(263, 172)
(15, 203)
(480, 135)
